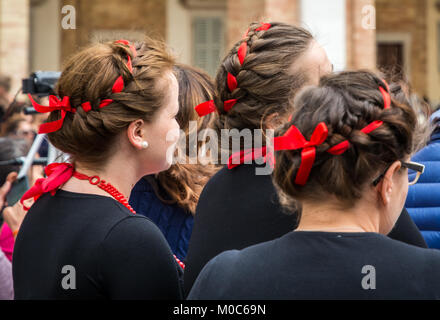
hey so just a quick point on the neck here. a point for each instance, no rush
(120, 171)
(330, 217)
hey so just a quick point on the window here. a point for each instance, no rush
(208, 42)
(394, 53)
(390, 58)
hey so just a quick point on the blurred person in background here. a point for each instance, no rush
(10, 217)
(3, 107)
(423, 201)
(14, 112)
(6, 283)
(10, 149)
(5, 87)
(20, 128)
(169, 198)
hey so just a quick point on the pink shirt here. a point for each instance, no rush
(6, 241)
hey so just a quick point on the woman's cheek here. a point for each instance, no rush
(172, 139)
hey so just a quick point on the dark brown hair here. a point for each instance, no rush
(265, 82)
(346, 102)
(89, 76)
(183, 183)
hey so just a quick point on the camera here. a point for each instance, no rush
(41, 83)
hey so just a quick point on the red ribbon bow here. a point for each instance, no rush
(294, 140)
(291, 140)
(54, 104)
(57, 175)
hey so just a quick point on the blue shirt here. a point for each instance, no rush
(175, 222)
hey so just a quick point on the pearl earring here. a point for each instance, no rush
(144, 144)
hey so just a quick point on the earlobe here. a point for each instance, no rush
(385, 191)
(135, 134)
(387, 184)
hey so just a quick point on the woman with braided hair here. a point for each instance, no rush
(344, 157)
(255, 85)
(115, 117)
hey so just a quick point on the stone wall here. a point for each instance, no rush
(136, 16)
(408, 16)
(361, 35)
(14, 40)
(240, 13)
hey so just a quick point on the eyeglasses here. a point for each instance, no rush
(416, 170)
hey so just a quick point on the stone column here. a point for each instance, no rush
(361, 34)
(14, 40)
(240, 13)
(287, 11)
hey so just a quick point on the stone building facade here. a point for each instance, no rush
(355, 33)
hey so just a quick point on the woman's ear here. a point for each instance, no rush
(136, 133)
(387, 184)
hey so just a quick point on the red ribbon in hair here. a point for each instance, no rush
(243, 156)
(205, 108)
(209, 106)
(64, 104)
(241, 53)
(54, 104)
(264, 26)
(232, 82)
(280, 143)
(340, 148)
(228, 104)
(294, 140)
(291, 140)
(57, 175)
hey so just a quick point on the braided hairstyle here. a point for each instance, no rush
(346, 102)
(89, 135)
(257, 75)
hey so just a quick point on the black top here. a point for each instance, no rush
(115, 254)
(322, 265)
(238, 208)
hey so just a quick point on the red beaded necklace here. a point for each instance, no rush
(118, 196)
